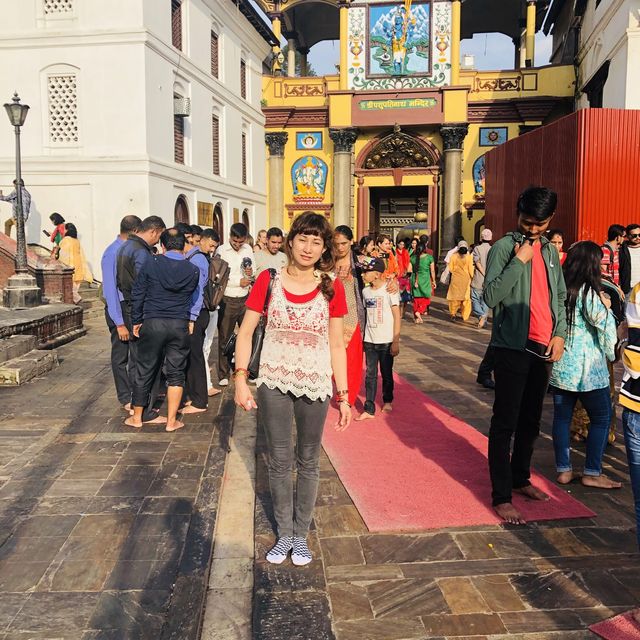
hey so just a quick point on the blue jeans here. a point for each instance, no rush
(478, 305)
(631, 426)
(597, 404)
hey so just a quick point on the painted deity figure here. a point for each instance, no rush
(399, 32)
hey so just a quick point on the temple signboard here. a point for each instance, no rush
(382, 108)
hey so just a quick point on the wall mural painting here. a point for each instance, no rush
(309, 179)
(399, 34)
(479, 177)
(309, 140)
(405, 44)
(493, 136)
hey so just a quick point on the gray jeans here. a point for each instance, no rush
(277, 412)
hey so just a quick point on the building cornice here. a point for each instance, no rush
(293, 117)
(518, 110)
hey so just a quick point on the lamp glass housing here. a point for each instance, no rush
(17, 113)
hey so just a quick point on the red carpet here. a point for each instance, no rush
(622, 627)
(419, 467)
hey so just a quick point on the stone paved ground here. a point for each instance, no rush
(105, 533)
(547, 581)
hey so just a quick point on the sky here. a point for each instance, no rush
(492, 51)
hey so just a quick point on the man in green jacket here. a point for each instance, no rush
(525, 287)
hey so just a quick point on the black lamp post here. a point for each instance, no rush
(21, 290)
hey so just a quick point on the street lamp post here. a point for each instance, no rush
(21, 290)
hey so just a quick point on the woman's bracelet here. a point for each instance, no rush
(343, 392)
(345, 402)
(241, 372)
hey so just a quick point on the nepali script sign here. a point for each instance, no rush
(410, 103)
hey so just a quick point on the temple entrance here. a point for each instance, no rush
(399, 211)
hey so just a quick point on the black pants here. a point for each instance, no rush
(521, 384)
(119, 362)
(485, 370)
(134, 350)
(378, 354)
(196, 369)
(160, 337)
(231, 313)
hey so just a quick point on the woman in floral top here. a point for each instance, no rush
(582, 371)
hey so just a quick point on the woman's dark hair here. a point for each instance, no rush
(415, 240)
(538, 203)
(70, 230)
(311, 223)
(345, 231)
(403, 240)
(555, 232)
(415, 258)
(581, 269)
(363, 243)
(56, 218)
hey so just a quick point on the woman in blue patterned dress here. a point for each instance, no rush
(582, 371)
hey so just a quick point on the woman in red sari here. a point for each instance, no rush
(404, 277)
(345, 270)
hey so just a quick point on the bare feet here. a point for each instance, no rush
(158, 420)
(365, 416)
(565, 477)
(482, 321)
(130, 422)
(127, 407)
(533, 493)
(213, 392)
(387, 406)
(509, 514)
(600, 482)
(191, 409)
(175, 425)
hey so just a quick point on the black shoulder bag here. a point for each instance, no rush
(257, 340)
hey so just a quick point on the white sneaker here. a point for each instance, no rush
(300, 555)
(280, 550)
(224, 382)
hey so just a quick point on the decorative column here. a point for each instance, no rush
(343, 141)
(291, 58)
(453, 136)
(304, 68)
(455, 42)
(276, 27)
(276, 142)
(363, 209)
(344, 44)
(531, 33)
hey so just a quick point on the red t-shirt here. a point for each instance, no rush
(540, 322)
(255, 301)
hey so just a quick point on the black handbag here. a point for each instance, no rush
(257, 340)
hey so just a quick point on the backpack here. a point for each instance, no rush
(216, 282)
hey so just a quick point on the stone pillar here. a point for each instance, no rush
(276, 27)
(531, 33)
(453, 136)
(291, 58)
(344, 44)
(455, 42)
(304, 68)
(343, 141)
(276, 142)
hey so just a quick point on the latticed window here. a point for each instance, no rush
(243, 79)
(176, 23)
(63, 108)
(215, 55)
(215, 143)
(178, 136)
(244, 158)
(57, 6)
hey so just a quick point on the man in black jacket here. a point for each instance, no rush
(161, 301)
(629, 258)
(132, 256)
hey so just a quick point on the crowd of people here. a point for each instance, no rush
(315, 304)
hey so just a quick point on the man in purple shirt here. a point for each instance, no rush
(113, 312)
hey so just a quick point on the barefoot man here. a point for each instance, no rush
(161, 301)
(525, 287)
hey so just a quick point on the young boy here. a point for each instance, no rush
(381, 335)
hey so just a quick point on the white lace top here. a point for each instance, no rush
(295, 354)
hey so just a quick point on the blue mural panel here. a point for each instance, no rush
(479, 176)
(309, 178)
(309, 140)
(493, 136)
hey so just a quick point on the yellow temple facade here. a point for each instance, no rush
(394, 142)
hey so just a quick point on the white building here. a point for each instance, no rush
(603, 38)
(110, 84)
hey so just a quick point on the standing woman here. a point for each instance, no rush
(413, 246)
(57, 234)
(404, 275)
(582, 372)
(556, 238)
(459, 293)
(350, 277)
(72, 255)
(423, 281)
(303, 346)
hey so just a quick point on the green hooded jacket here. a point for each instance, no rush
(507, 290)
